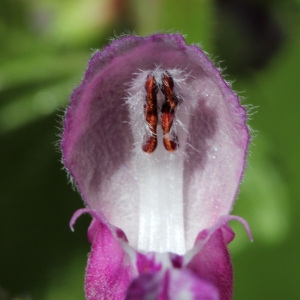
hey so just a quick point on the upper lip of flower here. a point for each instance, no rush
(164, 199)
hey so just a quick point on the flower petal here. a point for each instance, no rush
(109, 271)
(186, 190)
(213, 263)
(210, 258)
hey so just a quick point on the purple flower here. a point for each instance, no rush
(156, 142)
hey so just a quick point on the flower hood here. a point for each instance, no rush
(156, 142)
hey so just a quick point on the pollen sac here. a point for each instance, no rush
(168, 113)
(151, 114)
(167, 90)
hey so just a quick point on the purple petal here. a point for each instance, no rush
(187, 190)
(213, 263)
(210, 258)
(109, 271)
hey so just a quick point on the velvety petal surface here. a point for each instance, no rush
(213, 263)
(109, 270)
(163, 199)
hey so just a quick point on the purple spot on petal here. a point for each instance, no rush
(203, 125)
(146, 286)
(203, 234)
(176, 260)
(146, 263)
(121, 235)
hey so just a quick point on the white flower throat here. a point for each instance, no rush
(158, 125)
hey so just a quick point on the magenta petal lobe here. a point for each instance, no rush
(109, 271)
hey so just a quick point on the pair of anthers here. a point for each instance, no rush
(170, 140)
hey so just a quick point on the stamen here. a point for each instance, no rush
(168, 113)
(158, 173)
(150, 110)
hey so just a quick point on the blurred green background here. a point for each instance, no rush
(44, 48)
